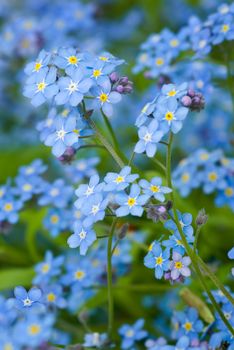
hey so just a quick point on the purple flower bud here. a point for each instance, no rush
(123, 80)
(191, 92)
(68, 155)
(114, 77)
(186, 101)
(120, 89)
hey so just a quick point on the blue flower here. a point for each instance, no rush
(35, 168)
(24, 299)
(81, 169)
(201, 42)
(226, 196)
(187, 324)
(79, 275)
(95, 340)
(104, 97)
(85, 191)
(149, 137)
(40, 65)
(223, 30)
(72, 88)
(174, 242)
(56, 221)
(170, 115)
(68, 59)
(48, 269)
(100, 72)
(27, 186)
(185, 222)
(119, 181)
(9, 208)
(43, 88)
(132, 203)
(171, 90)
(157, 259)
(213, 177)
(132, 334)
(83, 237)
(154, 188)
(179, 266)
(64, 136)
(94, 209)
(56, 194)
(53, 296)
(34, 330)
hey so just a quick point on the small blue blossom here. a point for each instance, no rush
(132, 334)
(72, 88)
(185, 222)
(174, 242)
(28, 186)
(83, 237)
(179, 266)
(213, 177)
(94, 209)
(170, 115)
(68, 59)
(158, 259)
(119, 181)
(56, 194)
(53, 296)
(43, 88)
(187, 324)
(35, 168)
(85, 191)
(132, 203)
(40, 65)
(149, 137)
(154, 188)
(24, 299)
(171, 90)
(9, 208)
(104, 97)
(223, 30)
(56, 221)
(48, 269)
(95, 340)
(63, 136)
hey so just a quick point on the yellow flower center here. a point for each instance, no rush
(79, 275)
(174, 43)
(185, 177)
(96, 73)
(169, 116)
(27, 187)
(131, 202)
(179, 242)
(159, 260)
(103, 97)
(8, 207)
(7, 346)
(204, 156)
(72, 60)
(188, 326)
(212, 176)
(37, 66)
(34, 329)
(103, 58)
(171, 93)
(225, 161)
(229, 191)
(129, 333)
(159, 61)
(151, 247)
(25, 44)
(119, 179)
(154, 188)
(45, 268)
(178, 265)
(225, 28)
(51, 297)
(41, 86)
(116, 251)
(54, 219)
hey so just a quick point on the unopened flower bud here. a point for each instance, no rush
(68, 155)
(163, 79)
(123, 80)
(120, 89)
(114, 77)
(191, 93)
(201, 218)
(186, 101)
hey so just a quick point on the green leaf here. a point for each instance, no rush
(9, 278)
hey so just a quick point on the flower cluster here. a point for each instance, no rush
(167, 258)
(211, 171)
(160, 51)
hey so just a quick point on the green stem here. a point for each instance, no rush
(188, 249)
(109, 280)
(162, 166)
(106, 144)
